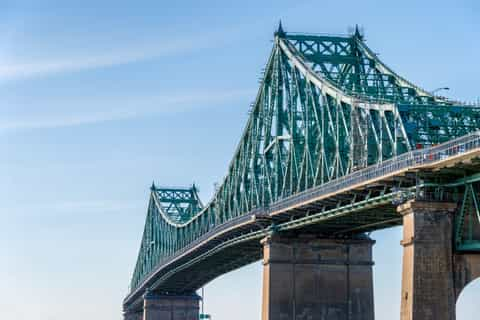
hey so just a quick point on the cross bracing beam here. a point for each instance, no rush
(330, 121)
(372, 212)
(465, 192)
(178, 204)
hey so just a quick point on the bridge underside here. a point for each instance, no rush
(334, 143)
(356, 210)
(192, 278)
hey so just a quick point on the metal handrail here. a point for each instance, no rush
(403, 161)
(406, 160)
(169, 259)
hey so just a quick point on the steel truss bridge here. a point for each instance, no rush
(334, 142)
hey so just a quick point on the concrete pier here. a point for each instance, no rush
(133, 315)
(466, 269)
(165, 307)
(311, 278)
(428, 272)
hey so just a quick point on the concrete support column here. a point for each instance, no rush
(133, 315)
(427, 279)
(310, 278)
(467, 269)
(162, 307)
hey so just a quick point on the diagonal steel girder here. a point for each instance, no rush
(326, 107)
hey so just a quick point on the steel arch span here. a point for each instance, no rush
(334, 139)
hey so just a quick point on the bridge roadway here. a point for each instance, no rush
(362, 201)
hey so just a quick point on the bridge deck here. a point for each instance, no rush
(359, 202)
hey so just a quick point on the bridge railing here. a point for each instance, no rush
(410, 159)
(407, 160)
(215, 230)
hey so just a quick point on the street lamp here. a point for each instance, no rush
(439, 89)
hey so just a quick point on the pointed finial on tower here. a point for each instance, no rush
(357, 33)
(280, 33)
(152, 188)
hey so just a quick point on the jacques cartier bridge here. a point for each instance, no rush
(337, 145)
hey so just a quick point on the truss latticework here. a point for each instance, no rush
(467, 222)
(326, 107)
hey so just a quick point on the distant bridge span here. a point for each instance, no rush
(335, 143)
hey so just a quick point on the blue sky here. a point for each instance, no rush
(99, 99)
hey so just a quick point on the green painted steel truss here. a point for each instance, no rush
(465, 193)
(467, 222)
(326, 106)
(179, 204)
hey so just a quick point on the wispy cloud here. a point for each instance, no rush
(125, 108)
(66, 209)
(98, 57)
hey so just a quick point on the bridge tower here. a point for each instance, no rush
(337, 145)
